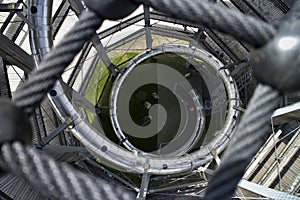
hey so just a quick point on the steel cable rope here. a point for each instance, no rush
(59, 181)
(243, 27)
(65, 182)
(43, 172)
(42, 107)
(43, 79)
(253, 130)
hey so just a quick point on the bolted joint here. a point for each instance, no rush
(112, 9)
(14, 124)
(278, 63)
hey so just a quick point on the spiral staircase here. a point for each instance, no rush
(164, 68)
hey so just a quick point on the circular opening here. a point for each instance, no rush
(200, 95)
(53, 93)
(162, 103)
(33, 9)
(165, 166)
(104, 148)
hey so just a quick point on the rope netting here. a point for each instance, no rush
(61, 181)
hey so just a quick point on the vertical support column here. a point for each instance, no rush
(200, 37)
(107, 62)
(79, 64)
(102, 54)
(60, 16)
(4, 81)
(145, 182)
(147, 27)
(216, 157)
(56, 132)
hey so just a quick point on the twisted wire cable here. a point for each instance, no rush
(246, 28)
(63, 182)
(43, 79)
(253, 130)
(57, 180)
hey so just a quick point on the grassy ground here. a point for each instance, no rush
(101, 75)
(101, 83)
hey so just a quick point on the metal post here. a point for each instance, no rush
(145, 182)
(103, 54)
(4, 81)
(11, 7)
(147, 27)
(55, 133)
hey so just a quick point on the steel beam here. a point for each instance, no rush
(147, 27)
(115, 176)
(162, 17)
(7, 21)
(10, 7)
(178, 187)
(145, 182)
(265, 191)
(88, 76)
(125, 40)
(65, 149)
(259, 189)
(219, 41)
(79, 64)
(238, 3)
(18, 31)
(240, 67)
(103, 54)
(65, 153)
(122, 25)
(4, 81)
(60, 16)
(78, 7)
(286, 114)
(14, 55)
(281, 5)
(54, 133)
